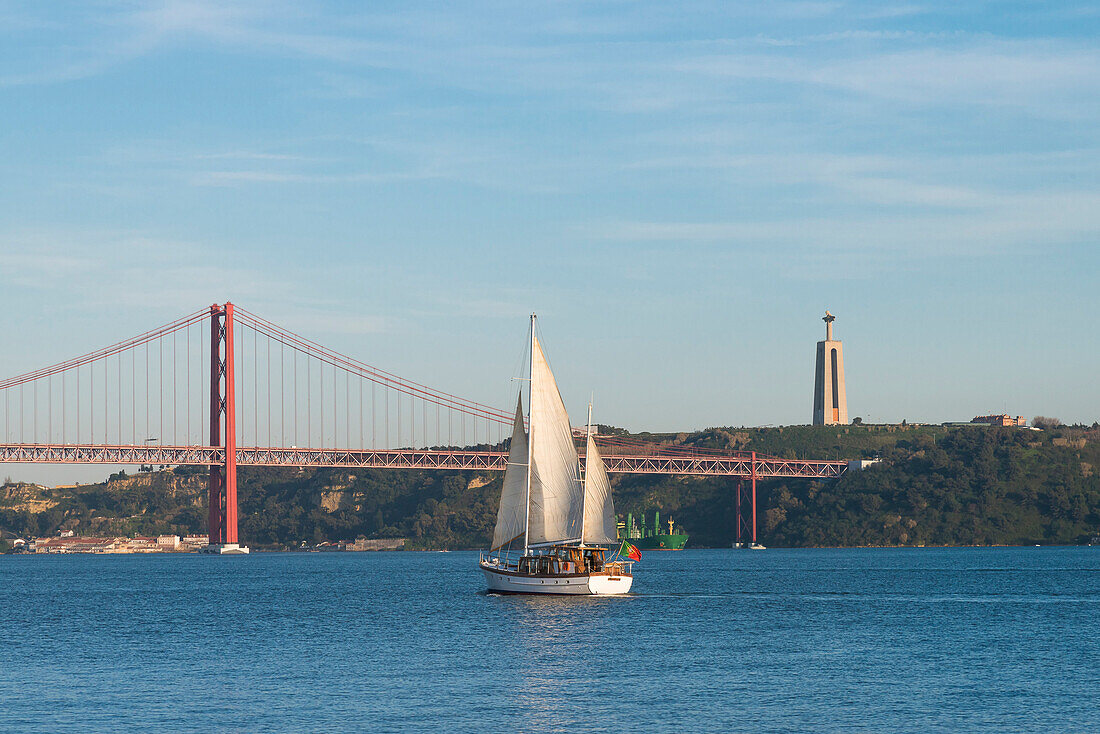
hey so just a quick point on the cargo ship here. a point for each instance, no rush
(652, 537)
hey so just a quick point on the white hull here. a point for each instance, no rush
(225, 549)
(572, 584)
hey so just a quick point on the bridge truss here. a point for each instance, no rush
(744, 467)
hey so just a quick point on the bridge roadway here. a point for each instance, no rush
(742, 465)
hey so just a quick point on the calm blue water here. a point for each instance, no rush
(824, 640)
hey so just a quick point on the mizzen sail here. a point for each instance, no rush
(599, 509)
(512, 513)
(557, 493)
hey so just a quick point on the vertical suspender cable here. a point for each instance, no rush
(175, 396)
(309, 395)
(239, 408)
(202, 403)
(255, 388)
(269, 392)
(294, 356)
(133, 395)
(242, 422)
(187, 392)
(282, 395)
(147, 431)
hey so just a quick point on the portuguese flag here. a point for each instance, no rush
(630, 551)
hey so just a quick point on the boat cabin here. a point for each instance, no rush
(564, 559)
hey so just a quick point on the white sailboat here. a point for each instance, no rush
(555, 522)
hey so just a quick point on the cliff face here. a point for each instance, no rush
(935, 485)
(146, 503)
(26, 497)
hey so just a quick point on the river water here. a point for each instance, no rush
(870, 640)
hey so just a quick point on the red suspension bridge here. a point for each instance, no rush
(224, 387)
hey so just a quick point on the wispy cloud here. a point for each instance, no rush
(988, 224)
(226, 178)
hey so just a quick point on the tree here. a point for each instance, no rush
(1044, 422)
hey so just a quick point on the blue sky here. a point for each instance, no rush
(678, 189)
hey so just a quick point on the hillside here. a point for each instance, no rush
(935, 485)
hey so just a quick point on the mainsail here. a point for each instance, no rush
(557, 493)
(599, 509)
(512, 514)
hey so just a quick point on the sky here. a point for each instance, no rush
(679, 190)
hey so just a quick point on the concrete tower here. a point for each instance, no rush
(830, 402)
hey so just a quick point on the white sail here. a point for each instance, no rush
(556, 490)
(512, 514)
(599, 509)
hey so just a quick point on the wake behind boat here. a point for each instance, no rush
(555, 523)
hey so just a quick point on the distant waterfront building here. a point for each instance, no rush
(830, 400)
(75, 544)
(1000, 420)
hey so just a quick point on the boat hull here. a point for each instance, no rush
(225, 549)
(578, 584)
(661, 541)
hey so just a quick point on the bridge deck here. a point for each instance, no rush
(733, 465)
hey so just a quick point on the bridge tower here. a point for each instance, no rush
(222, 517)
(830, 400)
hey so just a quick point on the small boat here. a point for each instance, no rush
(556, 521)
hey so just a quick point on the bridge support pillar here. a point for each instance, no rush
(222, 516)
(737, 512)
(753, 499)
(745, 508)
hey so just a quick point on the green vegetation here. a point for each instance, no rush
(935, 485)
(967, 486)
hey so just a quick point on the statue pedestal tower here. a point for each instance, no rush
(830, 402)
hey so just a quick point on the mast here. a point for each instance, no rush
(530, 437)
(587, 456)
